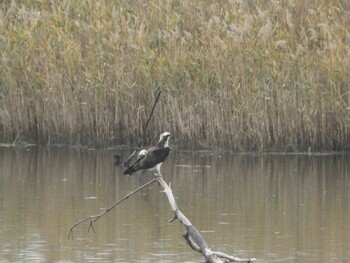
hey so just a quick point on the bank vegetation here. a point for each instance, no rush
(242, 75)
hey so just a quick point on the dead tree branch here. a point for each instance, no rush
(94, 218)
(193, 237)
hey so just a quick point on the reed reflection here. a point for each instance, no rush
(291, 208)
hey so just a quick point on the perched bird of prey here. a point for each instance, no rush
(153, 157)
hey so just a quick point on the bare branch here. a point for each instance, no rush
(94, 218)
(192, 236)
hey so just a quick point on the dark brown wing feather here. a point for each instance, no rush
(134, 167)
(154, 156)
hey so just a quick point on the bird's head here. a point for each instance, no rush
(164, 138)
(142, 153)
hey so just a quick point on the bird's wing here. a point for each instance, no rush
(154, 157)
(135, 166)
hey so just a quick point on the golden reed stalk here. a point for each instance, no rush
(242, 75)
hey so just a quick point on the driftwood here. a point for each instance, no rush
(192, 236)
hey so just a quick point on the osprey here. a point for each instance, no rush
(152, 157)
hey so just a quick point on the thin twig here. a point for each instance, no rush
(94, 218)
(149, 118)
(134, 154)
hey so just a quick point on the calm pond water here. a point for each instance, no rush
(277, 208)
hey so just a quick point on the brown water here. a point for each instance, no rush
(277, 208)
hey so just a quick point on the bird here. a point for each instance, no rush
(153, 157)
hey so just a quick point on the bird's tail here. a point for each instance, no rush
(130, 170)
(135, 167)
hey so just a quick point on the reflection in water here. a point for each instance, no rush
(282, 208)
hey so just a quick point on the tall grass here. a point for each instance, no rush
(244, 75)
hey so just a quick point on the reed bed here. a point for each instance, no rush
(240, 75)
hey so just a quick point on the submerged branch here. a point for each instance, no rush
(94, 218)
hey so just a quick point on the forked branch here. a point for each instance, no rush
(94, 218)
(193, 237)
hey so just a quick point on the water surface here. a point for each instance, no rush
(277, 208)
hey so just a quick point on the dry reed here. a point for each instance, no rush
(243, 75)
